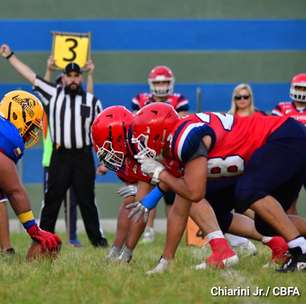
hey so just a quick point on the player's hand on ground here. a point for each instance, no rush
(138, 211)
(48, 241)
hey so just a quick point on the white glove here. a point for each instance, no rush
(152, 168)
(138, 211)
(127, 191)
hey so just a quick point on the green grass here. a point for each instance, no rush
(83, 276)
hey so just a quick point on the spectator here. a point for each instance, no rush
(161, 82)
(296, 108)
(71, 112)
(243, 101)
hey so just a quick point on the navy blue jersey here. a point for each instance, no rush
(11, 143)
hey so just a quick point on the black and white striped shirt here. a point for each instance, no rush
(69, 117)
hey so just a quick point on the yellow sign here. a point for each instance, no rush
(70, 47)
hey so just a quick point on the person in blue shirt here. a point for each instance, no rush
(21, 116)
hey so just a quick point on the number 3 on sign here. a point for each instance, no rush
(70, 47)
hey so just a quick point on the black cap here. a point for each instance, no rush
(72, 67)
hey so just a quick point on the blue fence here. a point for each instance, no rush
(166, 35)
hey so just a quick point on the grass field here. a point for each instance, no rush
(83, 276)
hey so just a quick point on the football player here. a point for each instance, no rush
(218, 145)
(109, 133)
(296, 108)
(161, 82)
(21, 116)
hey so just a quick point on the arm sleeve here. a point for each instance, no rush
(98, 107)
(45, 88)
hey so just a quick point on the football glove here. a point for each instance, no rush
(151, 167)
(138, 211)
(127, 191)
(49, 241)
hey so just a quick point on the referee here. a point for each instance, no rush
(71, 112)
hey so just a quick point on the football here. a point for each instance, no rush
(35, 252)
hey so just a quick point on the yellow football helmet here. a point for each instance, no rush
(25, 111)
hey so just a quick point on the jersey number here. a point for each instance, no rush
(229, 166)
(227, 120)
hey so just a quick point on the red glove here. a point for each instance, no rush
(48, 241)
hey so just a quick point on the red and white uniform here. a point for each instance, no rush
(234, 139)
(288, 109)
(131, 173)
(178, 101)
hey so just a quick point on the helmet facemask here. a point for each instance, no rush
(161, 88)
(31, 134)
(298, 93)
(141, 143)
(110, 158)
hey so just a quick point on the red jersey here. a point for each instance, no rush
(289, 109)
(178, 101)
(131, 173)
(234, 139)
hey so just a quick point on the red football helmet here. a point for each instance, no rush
(110, 133)
(161, 81)
(298, 88)
(151, 129)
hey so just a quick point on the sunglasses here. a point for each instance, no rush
(242, 97)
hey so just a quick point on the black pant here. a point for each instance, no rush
(72, 168)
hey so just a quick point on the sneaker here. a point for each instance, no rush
(113, 253)
(279, 248)
(162, 266)
(75, 243)
(102, 243)
(222, 256)
(148, 235)
(296, 262)
(246, 249)
(125, 255)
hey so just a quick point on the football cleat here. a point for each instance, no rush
(246, 249)
(162, 266)
(279, 248)
(125, 256)
(222, 256)
(113, 253)
(148, 235)
(296, 261)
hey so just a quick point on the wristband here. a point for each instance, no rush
(9, 55)
(27, 219)
(151, 200)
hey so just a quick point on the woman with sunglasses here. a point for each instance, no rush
(243, 101)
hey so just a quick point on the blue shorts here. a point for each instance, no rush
(278, 168)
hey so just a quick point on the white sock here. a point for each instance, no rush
(266, 239)
(236, 240)
(298, 242)
(218, 234)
